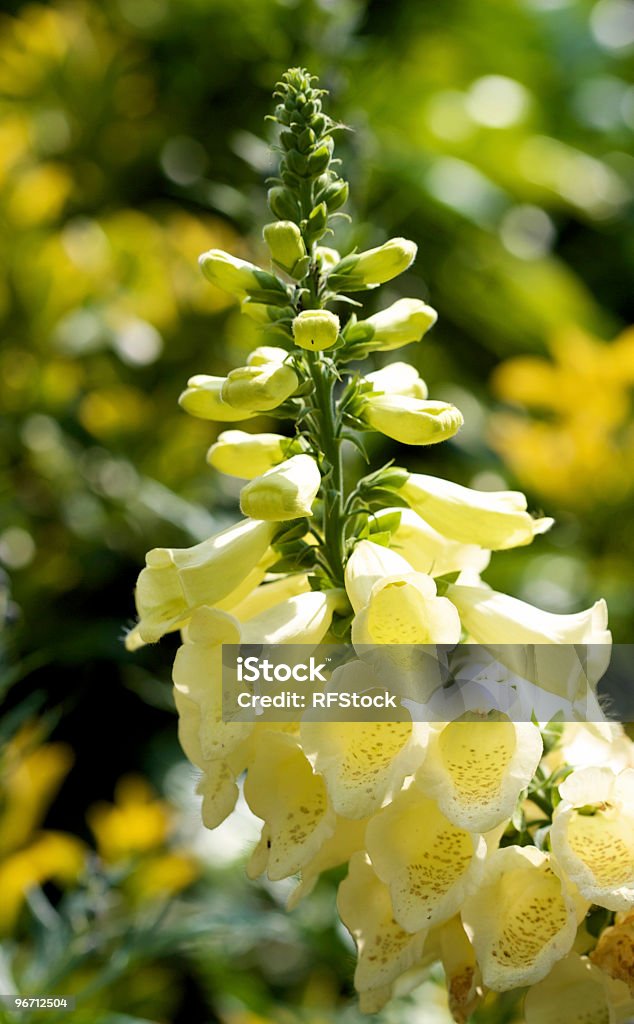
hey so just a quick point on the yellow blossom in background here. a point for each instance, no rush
(573, 440)
(30, 777)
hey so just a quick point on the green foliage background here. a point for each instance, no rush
(131, 139)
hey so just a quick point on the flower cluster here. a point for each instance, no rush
(489, 845)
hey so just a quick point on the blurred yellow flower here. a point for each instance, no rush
(573, 439)
(31, 775)
(137, 827)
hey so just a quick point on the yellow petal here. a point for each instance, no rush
(282, 789)
(347, 838)
(385, 950)
(521, 920)
(575, 992)
(363, 762)
(428, 864)
(477, 769)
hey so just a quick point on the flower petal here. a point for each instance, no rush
(428, 863)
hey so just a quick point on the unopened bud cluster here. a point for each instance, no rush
(499, 848)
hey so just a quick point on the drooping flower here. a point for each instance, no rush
(175, 581)
(493, 519)
(522, 919)
(577, 992)
(593, 835)
(476, 769)
(429, 864)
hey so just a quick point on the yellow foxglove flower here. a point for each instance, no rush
(197, 676)
(244, 455)
(614, 954)
(428, 864)
(49, 856)
(398, 379)
(286, 246)
(577, 992)
(522, 919)
(405, 321)
(592, 835)
(347, 838)
(393, 604)
(363, 763)
(178, 580)
(493, 519)
(385, 951)
(259, 387)
(411, 420)
(476, 770)
(593, 744)
(316, 329)
(494, 618)
(203, 398)
(282, 789)
(428, 551)
(373, 267)
(240, 278)
(285, 492)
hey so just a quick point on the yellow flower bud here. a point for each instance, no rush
(326, 257)
(285, 492)
(401, 323)
(316, 329)
(246, 455)
(492, 519)
(373, 267)
(398, 379)
(259, 387)
(412, 420)
(286, 246)
(241, 278)
(202, 398)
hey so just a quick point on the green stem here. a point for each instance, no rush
(328, 441)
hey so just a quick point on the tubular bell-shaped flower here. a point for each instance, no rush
(385, 951)
(476, 769)
(593, 835)
(242, 279)
(394, 604)
(428, 864)
(258, 387)
(398, 379)
(282, 789)
(522, 919)
(175, 581)
(493, 519)
(428, 551)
